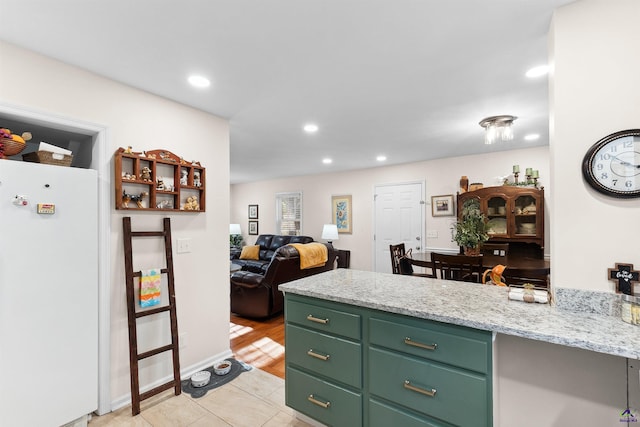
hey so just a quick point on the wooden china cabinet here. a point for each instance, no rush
(515, 215)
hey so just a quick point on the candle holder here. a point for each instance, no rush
(535, 181)
(515, 177)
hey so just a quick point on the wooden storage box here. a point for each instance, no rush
(48, 158)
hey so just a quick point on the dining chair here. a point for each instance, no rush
(457, 267)
(495, 249)
(538, 277)
(401, 264)
(396, 252)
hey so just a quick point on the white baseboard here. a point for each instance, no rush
(185, 373)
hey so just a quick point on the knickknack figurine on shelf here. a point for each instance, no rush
(471, 228)
(167, 181)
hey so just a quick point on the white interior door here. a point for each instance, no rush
(399, 218)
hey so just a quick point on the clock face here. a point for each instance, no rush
(612, 165)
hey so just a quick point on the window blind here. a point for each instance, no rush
(289, 213)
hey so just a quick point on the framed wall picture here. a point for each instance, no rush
(442, 205)
(341, 213)
(253, 228)
(253, 212)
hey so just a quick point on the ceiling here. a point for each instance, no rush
(409, 79)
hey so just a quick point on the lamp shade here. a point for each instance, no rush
(330, 232)
(234, 229)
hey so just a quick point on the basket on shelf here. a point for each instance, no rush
(49, 158)
(11, 147)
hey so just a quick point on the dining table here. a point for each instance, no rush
(423, 259)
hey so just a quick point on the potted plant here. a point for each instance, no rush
(471, 229)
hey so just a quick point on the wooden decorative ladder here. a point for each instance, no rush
(134, 356)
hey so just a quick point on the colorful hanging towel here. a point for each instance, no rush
(150, 287)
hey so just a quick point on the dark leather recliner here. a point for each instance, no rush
(256, 294)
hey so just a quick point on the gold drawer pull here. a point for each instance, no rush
(317, 320)
(408, 341)
(411, 387)
(318, 356)
(312, 399)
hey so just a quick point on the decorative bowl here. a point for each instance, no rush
(222, 368)
(200, 379)
(11, 147)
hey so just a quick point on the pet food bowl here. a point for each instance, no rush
(200, 379)
(222, 368)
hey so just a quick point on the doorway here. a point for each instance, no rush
(399, 212)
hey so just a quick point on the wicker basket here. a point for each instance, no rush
(11, 147)
(48, 158)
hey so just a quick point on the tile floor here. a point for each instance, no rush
(255, 398)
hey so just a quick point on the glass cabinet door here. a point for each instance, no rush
(525, 214)
(497, 216)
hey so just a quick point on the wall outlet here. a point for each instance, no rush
(184, 245)
(432, 234)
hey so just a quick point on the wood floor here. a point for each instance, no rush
(259, 343)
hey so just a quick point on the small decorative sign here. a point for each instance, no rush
(624, 275)
(46, 208)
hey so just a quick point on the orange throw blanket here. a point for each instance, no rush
(311, 254)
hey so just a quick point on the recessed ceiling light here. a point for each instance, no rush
(327, 161)
(199, 81)
(532, 137)
(381, 158)
(310, 128)
(538, 71)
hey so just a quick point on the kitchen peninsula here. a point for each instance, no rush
(484, 336)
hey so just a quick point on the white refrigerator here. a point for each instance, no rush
(48, 293)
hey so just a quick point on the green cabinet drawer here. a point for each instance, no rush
(324, 319)
(383, 415)
(459, 346)
(330, 356)
(461, 397)
(321, 400)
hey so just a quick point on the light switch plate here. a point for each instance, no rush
(183, 245)
(432, 234)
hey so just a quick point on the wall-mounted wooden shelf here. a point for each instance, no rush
(158, 180)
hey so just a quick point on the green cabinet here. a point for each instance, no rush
(352, 366)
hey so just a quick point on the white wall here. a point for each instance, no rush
(595, 91)
(442, 176)
(146, 122)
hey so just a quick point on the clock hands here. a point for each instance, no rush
(625, 163)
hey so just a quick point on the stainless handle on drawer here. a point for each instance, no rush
(408, 341)
(317, 320)
(312, 399)
(411, 387)
(318, 356)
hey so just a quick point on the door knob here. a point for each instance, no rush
(418, 238)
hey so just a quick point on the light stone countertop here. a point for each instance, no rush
(473, 305)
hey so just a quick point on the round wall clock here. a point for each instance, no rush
(612, 165)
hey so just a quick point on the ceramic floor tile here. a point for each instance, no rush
(258, 382)
(277, 398)
(238, 407)
(176, 411)
(255, 398)
(283, 419)
(119, 418)
(210, 420)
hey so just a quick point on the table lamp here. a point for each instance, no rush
(330, 232)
